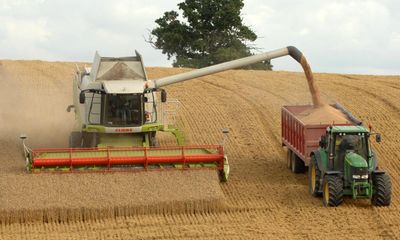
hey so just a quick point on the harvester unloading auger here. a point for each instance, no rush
(116, 107)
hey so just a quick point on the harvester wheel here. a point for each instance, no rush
(153, 139)
(89, 140)
(297, 164)
(289, 159)
(75, 140)
(223, 177)
(314, 177)
(332, 192)
(382, 190)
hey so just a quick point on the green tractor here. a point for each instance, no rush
(345, 165)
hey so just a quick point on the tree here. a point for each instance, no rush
(211, 32)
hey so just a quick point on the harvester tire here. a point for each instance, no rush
(382, 190)
(297, 164)
(153, 139)
(332, 191)
(289, 159)
(89, 140)
(314, 178)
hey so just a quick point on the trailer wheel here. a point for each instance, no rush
(297, 164)
(382, 190)
(314, 177)
(332, 191)
(289, 159)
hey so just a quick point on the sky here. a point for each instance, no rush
(342, 36)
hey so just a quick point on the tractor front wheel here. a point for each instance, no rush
(332, 191)
(382, 190)
(314, 177)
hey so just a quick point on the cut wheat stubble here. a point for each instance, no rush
(72, 197)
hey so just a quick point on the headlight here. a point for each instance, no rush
(357, 176)
(364, 176)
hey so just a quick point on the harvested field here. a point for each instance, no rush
(264, 200)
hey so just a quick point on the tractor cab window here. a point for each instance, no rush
(356, 143)
(123, 110)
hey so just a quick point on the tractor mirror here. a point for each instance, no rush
(378, 138)
(163, 95)
(82, 97)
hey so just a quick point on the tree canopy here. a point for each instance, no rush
(207, 33)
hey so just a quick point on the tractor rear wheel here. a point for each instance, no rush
(332, 191)
(314, 177)
(382, 190)
(297, 164)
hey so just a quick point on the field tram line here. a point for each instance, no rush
(221, 118)
(390, 84)
(195, 136)
(267, 128)
(260, 87)
(203, 117)
(382, 100)
(216, 117)
(374, 95)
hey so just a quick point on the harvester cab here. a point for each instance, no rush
(345, 164)
(115, 108)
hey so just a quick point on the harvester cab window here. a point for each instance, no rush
(123, 110)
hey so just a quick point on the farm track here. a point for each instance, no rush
(264, 200)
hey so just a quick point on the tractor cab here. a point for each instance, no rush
(343, 143)
(347, 144)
